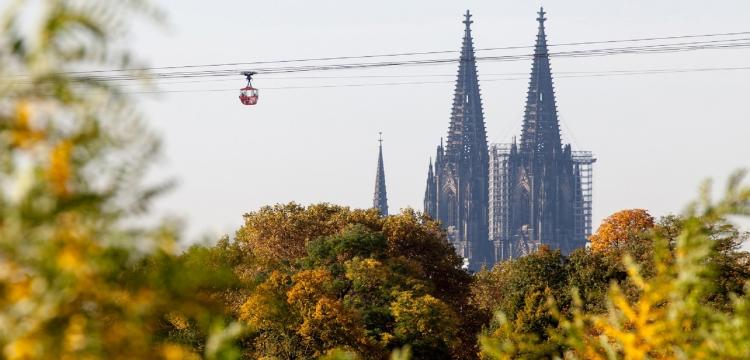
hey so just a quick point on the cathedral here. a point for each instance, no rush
(503, 201)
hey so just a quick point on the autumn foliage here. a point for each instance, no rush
(78, 278)
(669, 304)
(81, 279)
(354, 281)
(621, 228)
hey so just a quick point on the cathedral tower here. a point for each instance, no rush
(540, 189)
(457, 184)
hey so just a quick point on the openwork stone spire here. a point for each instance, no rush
(541, 129)
(456, 192)
(430, 193)
(540, 189)
(380, 199)
(466, 133)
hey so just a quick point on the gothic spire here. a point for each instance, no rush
(380, 199)
(466, 134)
(541, 129)
(430, 193)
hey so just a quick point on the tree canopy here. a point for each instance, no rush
(356, 281)
(671, 303)
(620, 229)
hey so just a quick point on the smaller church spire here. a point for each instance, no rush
(430, 193)
(380, 200)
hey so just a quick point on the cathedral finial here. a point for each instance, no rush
(541, 17)
(467, 19)
(380, 138)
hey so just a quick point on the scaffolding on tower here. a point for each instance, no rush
(583, 167)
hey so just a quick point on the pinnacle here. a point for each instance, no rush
(467, 19)
(541, 19)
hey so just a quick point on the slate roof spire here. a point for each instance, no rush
(541, 128)
(380, 199)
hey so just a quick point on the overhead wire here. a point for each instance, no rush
(332, 58)
(595, 73)
(127, 75)
(643, 49)
(281, 72)
(568, 75)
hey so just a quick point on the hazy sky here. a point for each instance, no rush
(656, 137)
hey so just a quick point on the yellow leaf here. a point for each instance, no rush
(59, 171)
(22, 134)
(177, 352)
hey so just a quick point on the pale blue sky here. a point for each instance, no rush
(656, 136)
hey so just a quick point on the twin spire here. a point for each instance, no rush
(541, 128)
(467, 139)
(466, 132)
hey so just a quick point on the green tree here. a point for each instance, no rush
(728, 262)
(519, 288)
(591, 273)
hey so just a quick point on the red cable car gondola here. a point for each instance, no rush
(249, 94)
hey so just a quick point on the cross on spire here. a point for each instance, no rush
(541, 19)
(467, 19)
